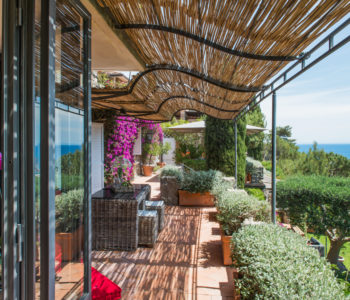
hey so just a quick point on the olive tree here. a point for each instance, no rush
(321, 203)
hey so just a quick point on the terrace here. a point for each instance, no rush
(219, 58)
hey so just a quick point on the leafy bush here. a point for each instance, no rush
(257, 193)
(172, 171)
(201, 181)
(321, 203)
(277, 264)
(69, 209)
(196, 164)
(235, 207)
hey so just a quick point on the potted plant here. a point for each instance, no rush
(121, 180)
(69, 228)
(150, 150)
(163, 149)
(196, 187)
(234, 208)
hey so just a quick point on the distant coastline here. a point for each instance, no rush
(342, 149)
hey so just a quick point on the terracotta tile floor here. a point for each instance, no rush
(185, 263)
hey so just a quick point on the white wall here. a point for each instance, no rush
(97, 157)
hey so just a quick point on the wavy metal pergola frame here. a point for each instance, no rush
(206, 42)
(190, 72)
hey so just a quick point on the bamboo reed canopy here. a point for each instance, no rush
(210, 56)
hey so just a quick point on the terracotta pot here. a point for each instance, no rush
(147, 170)
(161, 164)
(226, 248)
(195, 199)
(70, 244)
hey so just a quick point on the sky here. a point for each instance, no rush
(317, 104)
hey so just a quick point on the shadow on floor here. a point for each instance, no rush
(162, 272)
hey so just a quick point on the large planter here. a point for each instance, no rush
(195, 199)
(70, 244)
(226, 248)
(169, 187)
(147, 170)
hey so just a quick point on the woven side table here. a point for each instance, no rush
(159, 207)
(148, 227)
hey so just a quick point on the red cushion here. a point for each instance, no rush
(102, 288)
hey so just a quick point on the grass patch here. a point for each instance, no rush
(345, 250)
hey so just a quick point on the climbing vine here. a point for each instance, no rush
(119, 159)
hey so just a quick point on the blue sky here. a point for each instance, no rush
(317, 104)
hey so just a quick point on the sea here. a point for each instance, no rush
(342, 149)
(59, 150)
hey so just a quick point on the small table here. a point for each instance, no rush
(115, 218)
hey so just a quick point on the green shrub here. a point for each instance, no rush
(173, 172)
(257, 193)
(69, 210)
(277, 264)
(321, 203)
(196, 164)
(201, 181)
(235, 207)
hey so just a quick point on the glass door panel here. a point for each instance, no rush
(69, 152)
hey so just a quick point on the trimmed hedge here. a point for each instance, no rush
(317, 201)
(236, 206)
(277, 264)
(173, 172)
(201, 181)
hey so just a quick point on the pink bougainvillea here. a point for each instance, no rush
(119, 158)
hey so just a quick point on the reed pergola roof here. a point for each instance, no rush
(210, 56)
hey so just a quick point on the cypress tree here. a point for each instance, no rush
(220, 146)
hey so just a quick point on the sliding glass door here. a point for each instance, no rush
(45, 142)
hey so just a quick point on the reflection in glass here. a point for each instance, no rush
(69, 166)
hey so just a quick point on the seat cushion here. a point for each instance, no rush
(103, 288)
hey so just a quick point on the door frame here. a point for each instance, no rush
(17, 147)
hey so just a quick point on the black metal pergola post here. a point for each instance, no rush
(273, 158)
